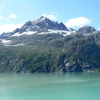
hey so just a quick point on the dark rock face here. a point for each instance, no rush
(42, 23)
(86, 30)
(4, 34)
(79, 65)
(61, 26)
(16, 30)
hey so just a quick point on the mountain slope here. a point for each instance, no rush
(86, 30)
(66, 54)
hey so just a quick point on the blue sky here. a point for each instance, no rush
(74, 13)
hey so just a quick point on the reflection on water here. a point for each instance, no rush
(53, 86)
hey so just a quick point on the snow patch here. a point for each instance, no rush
(64, 33)
(5, 41)
(14, 45)
(18, 45)
(24, 33)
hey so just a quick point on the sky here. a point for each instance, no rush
(73, 13)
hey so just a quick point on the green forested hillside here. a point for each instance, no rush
(76, 53)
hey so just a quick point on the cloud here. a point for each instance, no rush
(12, 16)
(1, 17)
(51, 16)
(99, 28)
(6, 19)
(9, 27)
(2, 6)
(78, 22)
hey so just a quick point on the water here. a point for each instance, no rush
(55, 86)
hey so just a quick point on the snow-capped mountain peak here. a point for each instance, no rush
(42, 19)
(42, 24)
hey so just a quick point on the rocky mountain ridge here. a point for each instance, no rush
(42, 24)
(86, 30)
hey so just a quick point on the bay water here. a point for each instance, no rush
(52, 86)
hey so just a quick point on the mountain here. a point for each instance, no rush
(46, 46)
(40, 25)
(86, 30)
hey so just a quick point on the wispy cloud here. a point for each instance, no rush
(2, 6)
(12, 16)
(9, 27)
(51, 16)
(99, 28)
(78, 22)
(1, 17)
(6, 19)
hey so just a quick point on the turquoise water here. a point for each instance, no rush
(55, 86)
